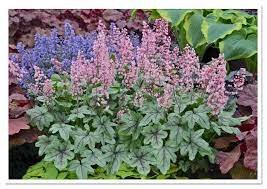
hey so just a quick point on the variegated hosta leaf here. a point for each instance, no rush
(81, 167)
(60, 153)
(142, 159)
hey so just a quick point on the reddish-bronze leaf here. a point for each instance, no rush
(224, 142)
(15, 125)
(248, 97)
(226, 160)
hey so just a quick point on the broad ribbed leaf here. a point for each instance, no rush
(154, 134)
(175, 16)
(142, 159)
(192, 25)
(63, 129)
(164, 155)
(81, 167)
(214, 30)
(40, 117)
(239, 46)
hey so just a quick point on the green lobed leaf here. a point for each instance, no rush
(81, 167)
(154, 134)
(40, 117)
(164, 155)
(63, 129)
(94, 156)
(142, 159)
(44, 143)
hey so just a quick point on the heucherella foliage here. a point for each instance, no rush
(148, 106)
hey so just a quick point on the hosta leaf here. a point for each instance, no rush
(114, 155)
(81, 167)
(154, 134)
(153, 113)
(95, 157)
(60, 153)
(192, 24)
(142, 158)
(63, 130)
(83, 138)
(80, 113)
(214, 30)
(105, 127)
(40, 117)
(164, 155)
(131, 124)
(44, 143)
(175, 16)
(239, 46)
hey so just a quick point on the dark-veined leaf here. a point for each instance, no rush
(94, 156)
(80, 113)
(153, 113)
(81, 167)
(164, 155)
(60, 153)
(154, 134)
(142, 158)
(40, 117)
(63, 129)
(44, 143)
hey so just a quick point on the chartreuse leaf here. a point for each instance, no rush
(213, 30)
(154, 134)
(94, 156)
(63, 129)
(153, 113)
(239, 46)
(175, 16)
(114, 155)
(83, 138)
(164, 155)
(192, 143)
(80, 113)
(60, 153)
(142, 159)
(199, 116)
(44, 143)
(40, 117)
(131, 125)
(192, 25)
(81, 167)
(104, 127)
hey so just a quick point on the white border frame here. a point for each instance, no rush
(126, 4)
